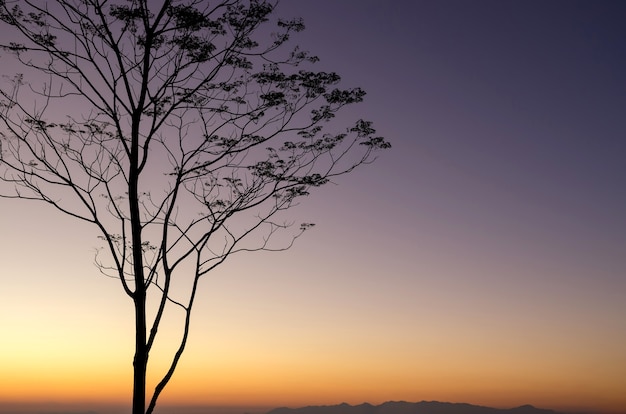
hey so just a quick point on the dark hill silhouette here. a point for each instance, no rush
(401, 407)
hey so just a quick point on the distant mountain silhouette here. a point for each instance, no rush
(401, 407)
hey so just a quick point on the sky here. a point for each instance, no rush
(482, 259)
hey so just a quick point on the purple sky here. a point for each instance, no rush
(507, 119)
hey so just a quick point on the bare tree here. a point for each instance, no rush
(190, 129)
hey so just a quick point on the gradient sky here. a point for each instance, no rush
(481, 260)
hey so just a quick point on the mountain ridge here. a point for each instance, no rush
(403, 407)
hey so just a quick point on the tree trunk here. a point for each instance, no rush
(140, 361)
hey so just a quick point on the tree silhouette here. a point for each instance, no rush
(181, 131)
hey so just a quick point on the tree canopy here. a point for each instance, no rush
(181, 130)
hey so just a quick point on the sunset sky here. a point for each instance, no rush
(481, 260)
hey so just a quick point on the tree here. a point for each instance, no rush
(192, 129)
